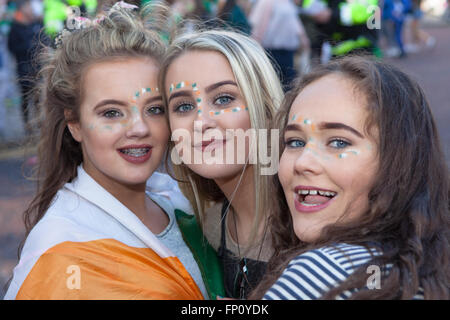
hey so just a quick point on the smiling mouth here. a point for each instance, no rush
(311, 200)
(135, 152)
(210, 143)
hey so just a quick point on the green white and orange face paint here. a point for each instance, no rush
(127, 121)
(316, 149)
(242, 146)
(197, 93)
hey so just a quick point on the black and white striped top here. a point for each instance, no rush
(311, 274)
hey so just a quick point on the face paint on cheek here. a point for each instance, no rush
(228, 110)
(124, 123)
(345, 154)
(199, 106)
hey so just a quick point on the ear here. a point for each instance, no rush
(74, 127)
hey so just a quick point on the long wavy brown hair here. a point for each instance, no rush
(122, 33)
(408, 213)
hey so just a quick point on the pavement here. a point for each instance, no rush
(430, 68)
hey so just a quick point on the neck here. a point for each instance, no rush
(242, 198)
(131, 196)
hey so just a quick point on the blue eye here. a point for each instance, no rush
(112, 114)
(184, 107)
(339, 143)
(223, 100)
(295, 143)
(155, 110)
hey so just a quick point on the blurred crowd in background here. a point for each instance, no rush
(296, 34)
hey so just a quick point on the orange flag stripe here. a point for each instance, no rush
(107, 269)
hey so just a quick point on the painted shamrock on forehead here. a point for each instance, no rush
(184, 84)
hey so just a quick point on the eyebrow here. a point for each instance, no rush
(182, 93)
(188, 93)
(219, 84)
(123, 103)
(338, 125)
(153, 99)
(325, 126)
(109, 101)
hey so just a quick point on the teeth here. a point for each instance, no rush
(310, 204)
(135, 152)
(315, 192)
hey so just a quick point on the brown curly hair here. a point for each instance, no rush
(408, 213)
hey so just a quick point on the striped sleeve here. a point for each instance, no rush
(311, 274)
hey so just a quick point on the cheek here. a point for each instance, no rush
(185, 122)
(102, 136)
(355, 181)
(285, 171)
(159, 129)
(240, 121)
(355, 173)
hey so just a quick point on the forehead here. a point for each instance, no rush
(119, 76)
(203, 67)
(332, 98)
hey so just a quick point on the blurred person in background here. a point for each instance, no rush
(394, 14)
(419, 38)
(315, 14)
(277, 26)
(343, 26)
(23, 43)
(232, 12)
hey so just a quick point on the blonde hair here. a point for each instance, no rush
(261, 89)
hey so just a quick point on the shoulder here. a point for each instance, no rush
(341, 258)
(44, 275)
(165, 191)
(311, 274)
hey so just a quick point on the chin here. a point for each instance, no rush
(137, 175)
(306, 232)
(217, 171)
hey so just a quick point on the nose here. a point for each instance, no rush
(308, 162)
(138, 127)
(204, 121)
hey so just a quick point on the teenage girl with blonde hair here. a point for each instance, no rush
(220, 82)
